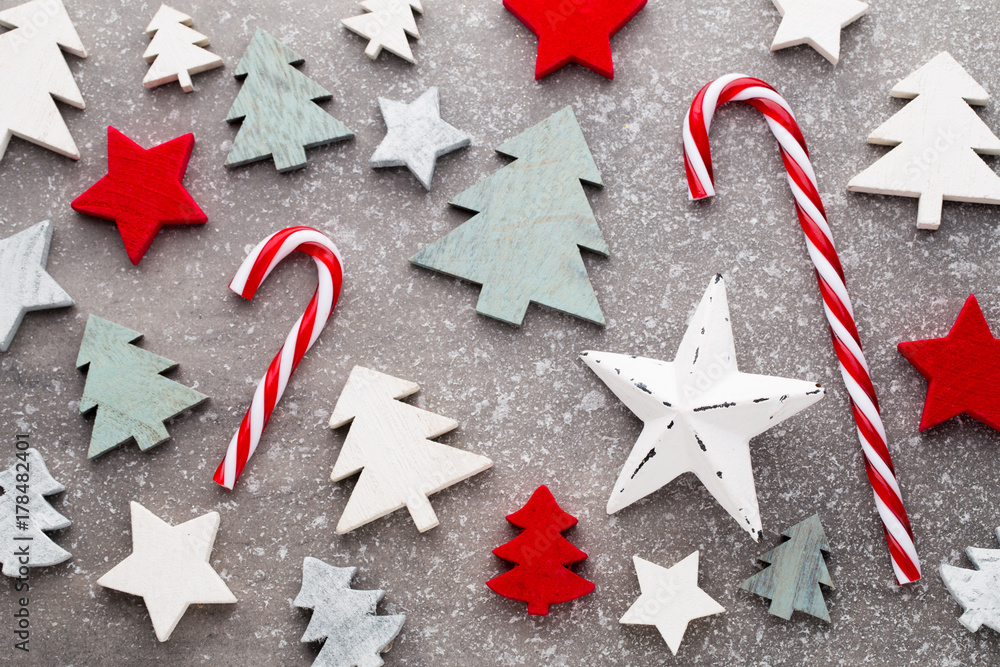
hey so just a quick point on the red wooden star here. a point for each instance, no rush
(962, 370)
(574, 30)
(143, 191)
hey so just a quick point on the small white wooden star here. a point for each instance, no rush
(24, 283)
(670, 599)
(416, 136)
(700, 412)
(816, 23)
(169, 567)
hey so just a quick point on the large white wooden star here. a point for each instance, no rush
(417, 136)
(169, 567)
(699, 412)
(816, 23)
(670, 599)
(24, 283)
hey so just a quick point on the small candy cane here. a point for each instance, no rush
(830, 275)
(251, 274)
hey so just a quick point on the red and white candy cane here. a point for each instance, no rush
(251, 274)
(830, 275)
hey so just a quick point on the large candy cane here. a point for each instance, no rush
(251, 274)
(836, 302)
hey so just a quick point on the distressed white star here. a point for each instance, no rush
(24, 283)
(416, 136)
(670, 599)
(699, 412)
(169, 567)
(816, 23)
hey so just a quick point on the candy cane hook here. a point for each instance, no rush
(829, 274)
(251, 274)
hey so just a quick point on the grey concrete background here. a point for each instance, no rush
(520, 395)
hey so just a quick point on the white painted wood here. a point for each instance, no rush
(816, 23)
(15, 533)
(699, 412)
(24, 284)
(977, 591)
(390, 441)
(386, 24)
(175, 51)
(344, 618)
(169, 567)
(670, 599)
(936, 137)
(416, 136)
(33, 71)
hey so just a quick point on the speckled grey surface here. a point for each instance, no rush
(520, 396)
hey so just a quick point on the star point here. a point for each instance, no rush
(699, 413)
(579, 31)
(670, 599)
(416, 136)
(169, 567)
(142, 191)
(25, 285)
(817, 23)
(962, 370)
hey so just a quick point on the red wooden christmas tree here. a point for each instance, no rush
(542, 555)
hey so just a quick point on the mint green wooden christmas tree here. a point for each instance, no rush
(533, 218)
(125, 385)
(796, 570)
(277, 105)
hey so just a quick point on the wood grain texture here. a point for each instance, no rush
(962, 370)
(176, 52)
(816, 23)
(169, 567)
(936, 138)
(143, 191)
(670, 599)
(576, 31)
(978, 590)
(125, 385)
(343, 618)
(277, 107)
(416, 136)
(542, 556)
(796, 570)
(389, 443)
(24, 284)
(386, 23)
(30, 477)
(699, 413)
(34, 74)
(533, 218)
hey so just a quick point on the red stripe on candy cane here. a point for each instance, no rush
(829, 275)
(249, 276)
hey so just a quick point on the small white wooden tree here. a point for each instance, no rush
(25, 514)
(386, 24)
(389, 440)
(978, 591)
(33, 71)
(936, 138)
(175, 52)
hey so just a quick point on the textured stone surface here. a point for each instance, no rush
(523, 397)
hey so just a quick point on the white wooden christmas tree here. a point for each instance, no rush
(25, 514)
(390, 441)
(936, 138)
(386, 24)
(176, 50)
(978, 591)
(33, 71)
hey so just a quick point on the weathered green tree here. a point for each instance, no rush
(125, 385)
(277, 105)
(533, 218)
(796, 570)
